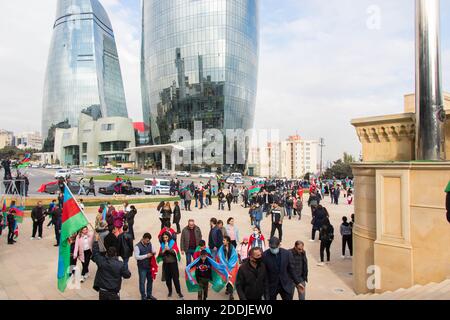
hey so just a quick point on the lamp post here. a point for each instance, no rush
(430, 114)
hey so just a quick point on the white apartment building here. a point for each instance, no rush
(291, 159)
(6, 139)
(29, 140)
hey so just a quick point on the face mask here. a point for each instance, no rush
(257, 261)
(275, 251)
(256, 233)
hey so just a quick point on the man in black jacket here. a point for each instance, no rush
(279, 264)
(252, 279)
(57, 223)
(38, 217)
(108, 280)
(300, 267)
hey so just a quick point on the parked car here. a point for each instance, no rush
(77, 172)
(56, 166)
(132, 171)
(107, 171)
(207, 175)
(164, 173)
(115, 189)
(183, 174)
(63, 173)
(162, 187)
(53, 188)
(97, 170)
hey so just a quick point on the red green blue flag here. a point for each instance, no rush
(172, 245)
(218, 280)
(4, 213)
(253, 190)
(73, 220)
(26, 161)
(231, 264)
(18, 214)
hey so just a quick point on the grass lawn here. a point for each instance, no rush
(112, 177)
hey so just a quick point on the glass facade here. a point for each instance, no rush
(199, 63)
(83, 71)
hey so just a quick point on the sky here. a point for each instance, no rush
(322, 63)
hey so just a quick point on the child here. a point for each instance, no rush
(243, 250)
(201, 247)
(347, 237)
(203, 275)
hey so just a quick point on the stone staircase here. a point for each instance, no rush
(432, 291)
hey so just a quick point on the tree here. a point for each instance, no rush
(341, 168)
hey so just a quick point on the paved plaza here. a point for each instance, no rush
(28, 269)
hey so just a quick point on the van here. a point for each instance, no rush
(162, 187)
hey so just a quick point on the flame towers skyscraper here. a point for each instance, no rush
(83, 71)
(199, 63)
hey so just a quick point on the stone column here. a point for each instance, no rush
(364, 230)
(163, 160)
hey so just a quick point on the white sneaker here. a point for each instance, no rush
(343, 257)
(311, 240)
(82, 279)
(32, 238)
(39, 238)
(321, 264)
(86, 276)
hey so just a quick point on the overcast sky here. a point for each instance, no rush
(322, 63)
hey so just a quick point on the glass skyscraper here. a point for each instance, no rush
(83, 71)
(199, 63)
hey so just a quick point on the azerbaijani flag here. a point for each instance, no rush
(199, 250)
(232, 264)
(253, 190)
(25, 162)
(218, 280)
(105, 211)
(4, 213)
(18, 214)
(172, 246)
(73, 220)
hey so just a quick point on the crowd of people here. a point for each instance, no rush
(253, 267)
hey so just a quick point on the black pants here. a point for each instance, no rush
(286, 296)
(347, 241)
(108, 296)
(165, 223)
(131, 230)
(234, 243)
(178, 227)
(10, 235)
(57, 234)
(313, 233)
(279, 227)
(325, 246)
(91, 190)
(235, 199)
(171, 273)
(37, 226)
(87, 260)
(187, 204)
(229, 205)
(203, 283)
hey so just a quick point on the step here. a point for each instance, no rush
(442, 291)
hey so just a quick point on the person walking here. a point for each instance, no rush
(190, 240)
(227, 256)
(252, 279)
(11, 221)
(232, 232)
(319, 216)
(300, 267)
(188, 199)
(243, 250)
(38, 217)
(110, 271)
(347, 237)
(229, 197)
(221, 200)
(91, 188)
(280, 269)
(83, 251)
(215, 238)
(143, 253)
(299, 208)
(166, 215)
(257, 239)
(326, 238)
(168, 255)
(57, 223)
(125, 250)
(177, 216)
(129, 218)
(289, 206)
(277, 220)
(203, 275)
(314, 200)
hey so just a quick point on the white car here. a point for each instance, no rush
(63, 173)
(77, 172)
(234, 180)
(97, 170)
(119, 171)
(183, 174)
(164, 173)
(57, 167)
(162, 187)
(207, 175)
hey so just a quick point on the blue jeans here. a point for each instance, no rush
(125, 262)
(289, 211)
(145, 275)
(258, 224)
(189, 256)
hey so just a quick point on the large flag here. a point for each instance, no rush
(73, 219)
(25, 162)
(253, 190)
(172, 246)
(218, 271)
(18, 213)
(232, 264)
(44, 186)
(105, 211)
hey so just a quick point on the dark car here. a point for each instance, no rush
(116, 189)
(54, 188)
